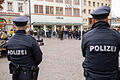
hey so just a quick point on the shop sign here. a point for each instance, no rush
(9, 13)
(71, 6)
(59, 17)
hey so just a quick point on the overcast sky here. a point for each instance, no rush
(116, 8)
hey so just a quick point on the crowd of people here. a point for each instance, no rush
(61, 34)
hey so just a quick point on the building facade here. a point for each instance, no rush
(11, 9)
(56, 14)
(88, 6)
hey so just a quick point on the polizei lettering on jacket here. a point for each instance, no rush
(100, 48)
(17, 52)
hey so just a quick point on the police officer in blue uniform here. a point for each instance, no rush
(23, 53)
(100, 47)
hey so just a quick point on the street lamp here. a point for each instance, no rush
(30, 13)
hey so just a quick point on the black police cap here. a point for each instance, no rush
(21, 21)
(101, 13)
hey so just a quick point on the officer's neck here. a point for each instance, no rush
(105, 20)
(20, 28)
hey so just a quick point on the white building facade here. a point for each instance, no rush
(11, 9)
(56, 14)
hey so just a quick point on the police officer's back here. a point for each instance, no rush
(100, 47)
(23, 52)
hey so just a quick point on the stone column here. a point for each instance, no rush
(55, 28)
(81, 30)
(44, 28)
(32, 27)
(72, 27)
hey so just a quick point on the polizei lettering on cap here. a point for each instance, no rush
(103, 48)
(17, 52)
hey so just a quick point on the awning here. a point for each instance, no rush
(116, 24)
(55, 23)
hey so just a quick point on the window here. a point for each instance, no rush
(76, 12)
(49, 10)
(20, 7)
(35, 8)
(68, 1)
(98, 4)
(89, 11)
(84, 2)
(90, 21)
(41, 9)
(93, 3)
(9, 6)
(68, 12)
(76, 2)
(49, 0)
(89, 3)
(59, 11)
(38, 9)
(101, 4)
(59, 1)
(84, 11)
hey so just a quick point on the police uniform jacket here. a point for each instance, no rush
(23, 49)
(100, 47)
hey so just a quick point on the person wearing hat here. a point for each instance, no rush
(100, 47)
(23, 52)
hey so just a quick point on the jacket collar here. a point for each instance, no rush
(20, 32)
(100, 24)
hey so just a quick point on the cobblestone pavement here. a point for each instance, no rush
(62, 60)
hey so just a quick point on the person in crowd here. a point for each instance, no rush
(54, 34)
(11, 32)
(4, 35)
(61, 34)
(38, 34)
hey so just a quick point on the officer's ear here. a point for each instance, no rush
(26, 27)
(14, 27)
